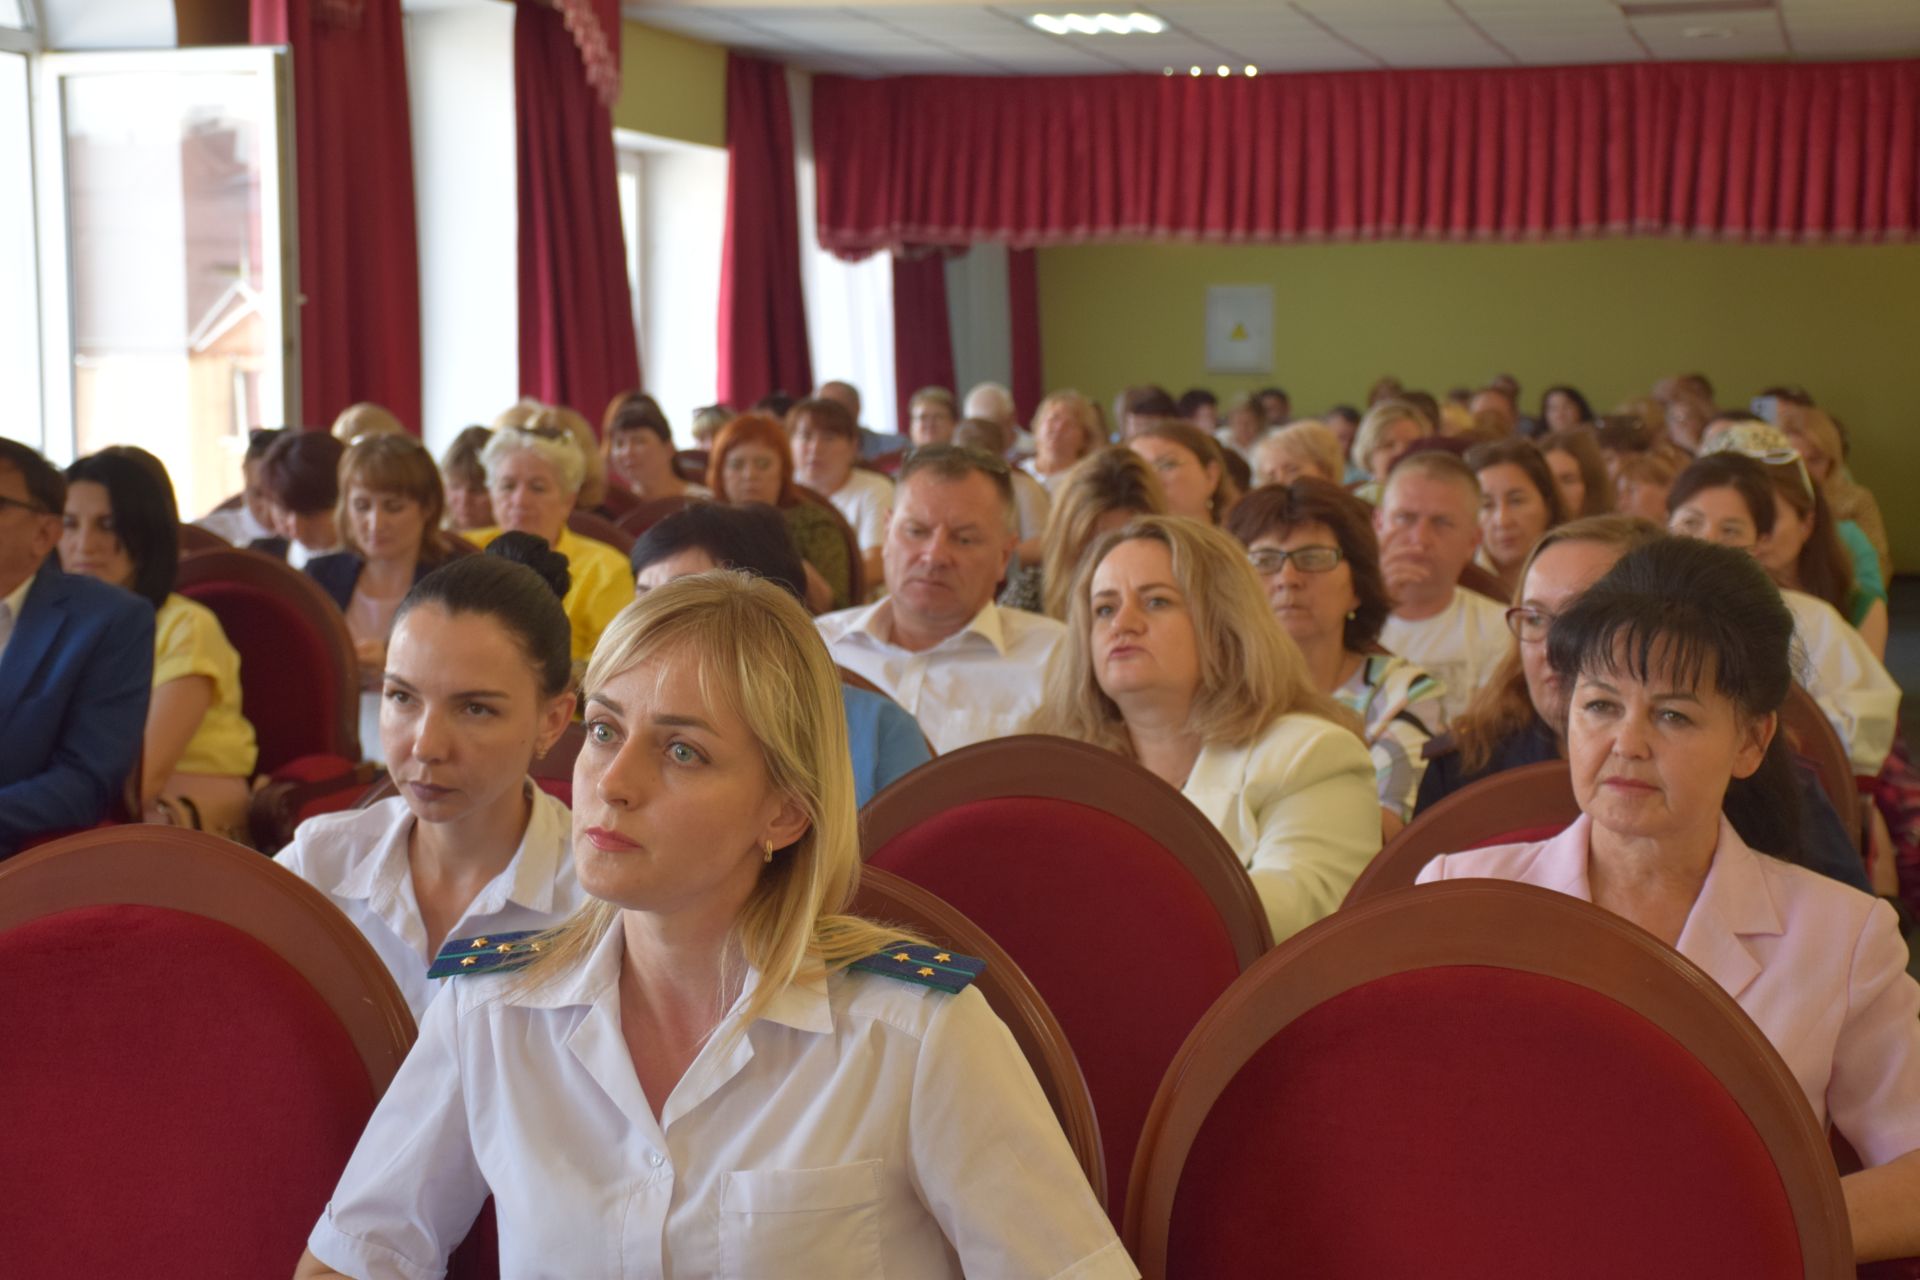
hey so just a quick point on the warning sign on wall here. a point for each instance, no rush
(1240, 328)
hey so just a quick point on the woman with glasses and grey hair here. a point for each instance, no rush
(1313, 545)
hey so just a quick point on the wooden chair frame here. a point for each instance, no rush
(1050, 768)
(588, 524)
(193, 538)
(1533, 795)
(1501, 925)
(887, 897)
(255, 569)
(1812, 736)
(207, 876)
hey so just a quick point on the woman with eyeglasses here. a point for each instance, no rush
(1172, 658)
(753, 462)
(1313, 545)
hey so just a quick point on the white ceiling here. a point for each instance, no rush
(906, 37)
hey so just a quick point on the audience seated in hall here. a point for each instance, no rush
(365, 419)
(1172, 658)
(884, 740)
(932, 414)
(638, 445)
(464, 478)
(1519, 501)
(1314, 548)
(1192, 471)
(534, 478)
(76, 668)
(391, 505)
(966, 668)
(1428, 527)
(1066, 428)
(1563, 408)
(1579, 472)
(198, 751)
(873, 444)
(1816, 436)
(826, 444)
(476, 687)
(301, 472)
(248, 517)
(1385, 434)
(1727, 498)
(1032, 503)
(1676, 665)
(753, 462)
(1104, 492)
(993, 402)
(1303, 448)
(709, 1034)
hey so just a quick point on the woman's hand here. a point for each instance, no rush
(311, 1268)
(1883, 1206)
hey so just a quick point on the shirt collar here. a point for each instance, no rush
(16, 599)
(527, 879)
(377, 874)
(876, 623)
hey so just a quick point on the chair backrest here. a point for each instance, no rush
(648, 512)
(193, 538)
(691, 465)
(886, 897)
(1114, 894)
(300, 685)
(1474, 1079)
(1532, 802)
(1478, 579)
(601, 529)
(856, 567)
(195, 1038)
(1812, 736)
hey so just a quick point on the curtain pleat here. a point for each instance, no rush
(922, 334)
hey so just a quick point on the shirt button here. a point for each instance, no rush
(656, 1159)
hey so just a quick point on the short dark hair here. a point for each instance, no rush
(1745, 476)
(519, 583)
(259, 440)
(302, 472)
(146, 519)
(956, 462)
(1697, 611)
(1264, 392)
(1346, 413)
(1195, 399)
(753, 538)
(1278, 508)
(1148, 401)
(829, 416)
(462, 460)
(636, 411)
(44, 485)
(1571, 393)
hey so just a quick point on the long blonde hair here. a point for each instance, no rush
(1106, 480)
(1251, 671)
(760, 655)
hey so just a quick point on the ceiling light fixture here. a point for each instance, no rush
(1194, 72)
(1252, 70)
(1096, 24)
(1225, 70)
(1706, 33)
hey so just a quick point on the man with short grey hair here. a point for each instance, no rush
(964, 667)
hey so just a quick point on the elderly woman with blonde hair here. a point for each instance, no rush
(1172, 658)
(1066, 428)
(358, 421)
(1815, 436)
(535, 473)
(1299, 449)
(711, 1069)
(1386, 432)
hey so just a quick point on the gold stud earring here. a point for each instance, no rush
(769, 854)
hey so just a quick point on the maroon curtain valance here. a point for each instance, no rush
(1817, 151)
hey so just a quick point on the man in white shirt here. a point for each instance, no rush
(965, 668)
(826, 442)
(1428, 522)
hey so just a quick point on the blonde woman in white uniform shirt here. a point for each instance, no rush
(1173, 659)
(689, 1079)
(475, 687)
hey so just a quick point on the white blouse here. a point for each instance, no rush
(1860, 699)
(869, 1127)
(359, 860)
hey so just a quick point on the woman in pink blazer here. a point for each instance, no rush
(1677, 662)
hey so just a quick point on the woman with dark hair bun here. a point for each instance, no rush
(1313, 545)
(478, 684)
(198, 752)
(1678, 662)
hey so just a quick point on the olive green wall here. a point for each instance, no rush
(1608, 316)
(671, 86)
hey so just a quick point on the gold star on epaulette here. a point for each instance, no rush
(902, 956)
(536, 946)
(943, 957)
(926, 973)
(505, 948)
(470, 960)
(479, 942)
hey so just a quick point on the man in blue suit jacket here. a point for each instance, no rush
(76, 668)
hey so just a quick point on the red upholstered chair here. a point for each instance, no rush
(195, 1038)
(1115, 896)
(647, 512)
(691, 465)
(1482, 1079)
(1532, 802)
(600, 529)
(886, 897)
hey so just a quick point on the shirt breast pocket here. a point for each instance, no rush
(801, 1224)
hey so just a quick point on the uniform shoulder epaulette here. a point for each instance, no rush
(487, 953)
(928, 966)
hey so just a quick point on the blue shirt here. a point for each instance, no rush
(885, 741)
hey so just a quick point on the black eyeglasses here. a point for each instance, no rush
(1529, 624)
(34, 507)
(1305, 559)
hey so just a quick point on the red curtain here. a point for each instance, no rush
(1805, 152)
(763, 318)
(922, 336)
(577, 344)
(1023, 306)
(353, 157)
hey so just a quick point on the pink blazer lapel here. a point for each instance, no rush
(1734, 905)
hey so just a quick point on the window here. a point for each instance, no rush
(162, 208)
(19, 282)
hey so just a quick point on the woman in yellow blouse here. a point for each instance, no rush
(534, 474)
(121, 526)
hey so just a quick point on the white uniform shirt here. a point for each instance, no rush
(866, 499)
(359, 860)
(981, 682)
(1460, 646)
(235, 524)
(1032, 503)
(1835, 665)
(869, 1128)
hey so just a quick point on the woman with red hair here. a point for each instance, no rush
(753, 462)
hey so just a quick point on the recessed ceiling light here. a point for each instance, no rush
(1225, 70)
(1194, 72)
(1252, 70)
(1096, 24)
(1706, 33)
